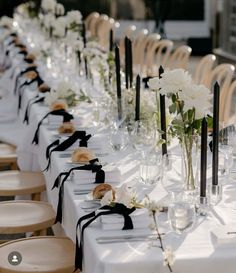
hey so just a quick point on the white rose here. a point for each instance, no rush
(124, 196)
(49, 20)
(107, 198)
(49, 5)
(63, 87)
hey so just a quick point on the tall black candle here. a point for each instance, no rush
(118, 82)
(203, 158)
(137, 103)
(111, 40)
(130, 54)
(84, 34)
(126, 62)
(215, 134)
(86, 67)
(163, 116)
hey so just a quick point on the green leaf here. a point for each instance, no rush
(172, 108)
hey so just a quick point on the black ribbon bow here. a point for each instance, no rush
(61, 112)
(67, 144)
(31, 102)
(145, 81)
(118, 208)
(92, 166)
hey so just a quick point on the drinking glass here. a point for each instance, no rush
(119, 138)
(151, 169)
(181, 214)
(225, 161)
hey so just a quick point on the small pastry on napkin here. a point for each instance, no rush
(82, 154)
(30, 57)
(31, 75)
(58, 105)
(43, 88)
(101, 189)
(66, 128)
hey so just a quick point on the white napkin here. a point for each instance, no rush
(58, 120)
(224, 235)
(112, 175)
(140, 219)
(89, 187)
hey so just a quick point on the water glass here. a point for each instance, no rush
(181, 215)
(225, 160)
(151, 169)
(119, 138)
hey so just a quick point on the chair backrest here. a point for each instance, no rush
(91, 23)
(223, 74)
(179, 58)
(157, 55)
(203, 69)
(227, 113)
(103, 28)
(138, 43)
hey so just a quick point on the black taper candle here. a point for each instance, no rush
(111, 33)
(203, 169)
(126, 62)
(137, 102)
(163, 117)
(215, 133)
(86, 67)
(130, 50)
(118, 82)
(84, 34)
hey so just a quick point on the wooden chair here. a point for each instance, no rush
(103, 29)
(179, 58)
(157, 55)
(223, 74)
(46, 254)
(228, 115)
(204, 68)
(25, 216)
(8, 156)
(22, 183)
(93, 22)
(89, 19)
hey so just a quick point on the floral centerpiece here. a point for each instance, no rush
(188, 103)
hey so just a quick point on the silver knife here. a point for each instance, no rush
(125, 238)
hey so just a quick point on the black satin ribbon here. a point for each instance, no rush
(118, 208)
(67, 144)
(99, 178)
(145, 81)
(22, 52)
(61, 112)
(31, 102)
(28, 69)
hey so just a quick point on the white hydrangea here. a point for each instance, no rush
(49, 20)
(74, 17)
(6, 21)
(49, 5)
(172, 81)
(51, 97)
(107, 198)
(125, 196)
(197, 97)
(63, 88)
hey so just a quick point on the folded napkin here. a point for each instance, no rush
(140, 219)
(112, 175)
(90, 187)
(224, 235)
(58, 120)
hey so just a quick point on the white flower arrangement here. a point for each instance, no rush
(64, 91)
(49, 5)
(48, 20)
(6, 21)
(59, 27)
(59, 9)
(74, 20)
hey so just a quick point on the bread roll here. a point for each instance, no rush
(58, 105)
(101, 189)
(31, 75)
(30, 57)
(43, 88)
(66, 128)
(82, 154)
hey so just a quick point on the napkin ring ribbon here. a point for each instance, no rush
(61, 112)
(66, 144)
(99, 178)
(118, 208)
(31, 102)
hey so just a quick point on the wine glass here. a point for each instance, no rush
(119, 138)
(225, 161)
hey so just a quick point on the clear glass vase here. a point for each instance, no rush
(190, 162)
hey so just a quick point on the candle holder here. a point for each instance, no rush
(215, 194)
(202, 206)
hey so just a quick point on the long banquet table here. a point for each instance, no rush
(197, 251)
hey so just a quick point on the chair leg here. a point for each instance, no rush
(42, 232)
(14, 166)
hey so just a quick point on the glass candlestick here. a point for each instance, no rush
(215, 194)
(202, 206)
